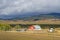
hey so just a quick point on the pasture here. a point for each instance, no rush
(29, 22)
(29, 36)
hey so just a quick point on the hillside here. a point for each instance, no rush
(31, 16)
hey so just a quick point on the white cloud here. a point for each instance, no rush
(11, 6)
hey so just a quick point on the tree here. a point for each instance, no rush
(17, 26)
(5, 27)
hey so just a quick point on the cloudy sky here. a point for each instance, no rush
(24, 6)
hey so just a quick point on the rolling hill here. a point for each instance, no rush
(31, 16)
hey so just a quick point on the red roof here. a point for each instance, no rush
(31, 27)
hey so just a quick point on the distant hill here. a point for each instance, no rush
(31, 16)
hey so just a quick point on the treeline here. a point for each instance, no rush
(9, 27)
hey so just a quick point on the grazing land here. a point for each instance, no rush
(29, 36)
(29, 22)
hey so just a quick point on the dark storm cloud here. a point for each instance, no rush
(11, 6)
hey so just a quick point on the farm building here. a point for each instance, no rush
(34, 27)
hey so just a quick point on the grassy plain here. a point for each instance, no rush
(29, 22)
(29, 36)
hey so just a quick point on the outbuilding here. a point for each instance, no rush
(34, 27)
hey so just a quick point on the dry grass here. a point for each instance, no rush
(29, 36)
(29, 22)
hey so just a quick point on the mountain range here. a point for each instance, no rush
(30, 16)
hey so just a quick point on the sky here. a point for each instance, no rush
(8, 7)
